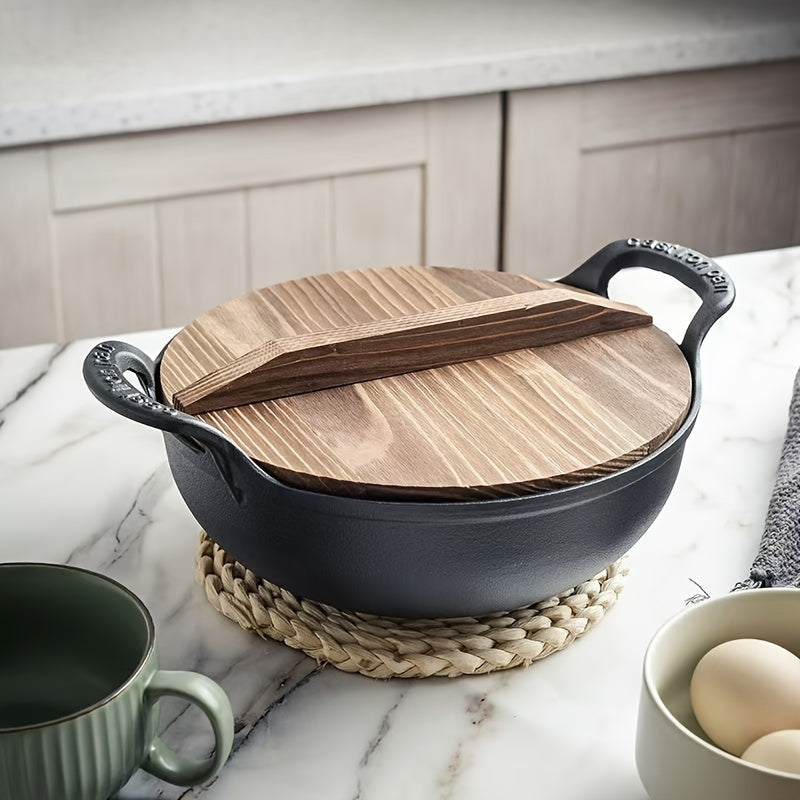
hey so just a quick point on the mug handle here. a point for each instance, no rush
(201, 691)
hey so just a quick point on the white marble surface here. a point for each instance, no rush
(89, 67)
(80, 485)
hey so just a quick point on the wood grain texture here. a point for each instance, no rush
(372, 350)
(618, 196)
(714, 101)
(462, 186)
(290, 231)
(543, 189)
(26, 269)
(766, 179)
(108, 270)
(377, 218)
(203, 253)
(701, 157)
(693, 189)
(148, 166)
(526, 421)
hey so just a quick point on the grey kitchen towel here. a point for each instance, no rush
(778, 559)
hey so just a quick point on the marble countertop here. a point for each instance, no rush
(83, 486)
(86, 68)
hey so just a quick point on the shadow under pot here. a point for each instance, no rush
(426, 442)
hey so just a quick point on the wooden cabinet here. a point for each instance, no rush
(129, 232)
(122, 233)
(710, 160)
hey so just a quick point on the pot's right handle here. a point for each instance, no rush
(104, 371)
(700, 273)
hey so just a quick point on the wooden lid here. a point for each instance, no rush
(523, 421)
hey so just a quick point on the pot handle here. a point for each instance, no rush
(104, 372)
(701, 274)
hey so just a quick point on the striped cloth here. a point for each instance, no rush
(778, 559)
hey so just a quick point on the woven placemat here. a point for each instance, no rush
(382, 647)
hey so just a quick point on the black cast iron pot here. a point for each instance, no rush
(421, 559)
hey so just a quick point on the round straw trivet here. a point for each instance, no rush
(385, 647)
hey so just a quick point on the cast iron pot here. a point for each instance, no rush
(421, 559)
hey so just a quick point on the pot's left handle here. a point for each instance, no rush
(104, 371)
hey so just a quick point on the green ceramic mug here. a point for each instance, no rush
(79, 685)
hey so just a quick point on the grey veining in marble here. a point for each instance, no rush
(89, 67)
(80, 485)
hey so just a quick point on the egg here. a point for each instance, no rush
(777, 750)
(744, 689)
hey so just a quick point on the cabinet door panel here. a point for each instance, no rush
(616, 197)
(290, 231)
(676, 191)
(665, 107)
(26, 272)
(130, 232)
(462, 186)
(543, 194)
(107, 270)
(377, 219)
(674, 157)
(157, 165)
(203, 253)
(766, 174)
(693, 192)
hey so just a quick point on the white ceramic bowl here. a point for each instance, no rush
(675, 759)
